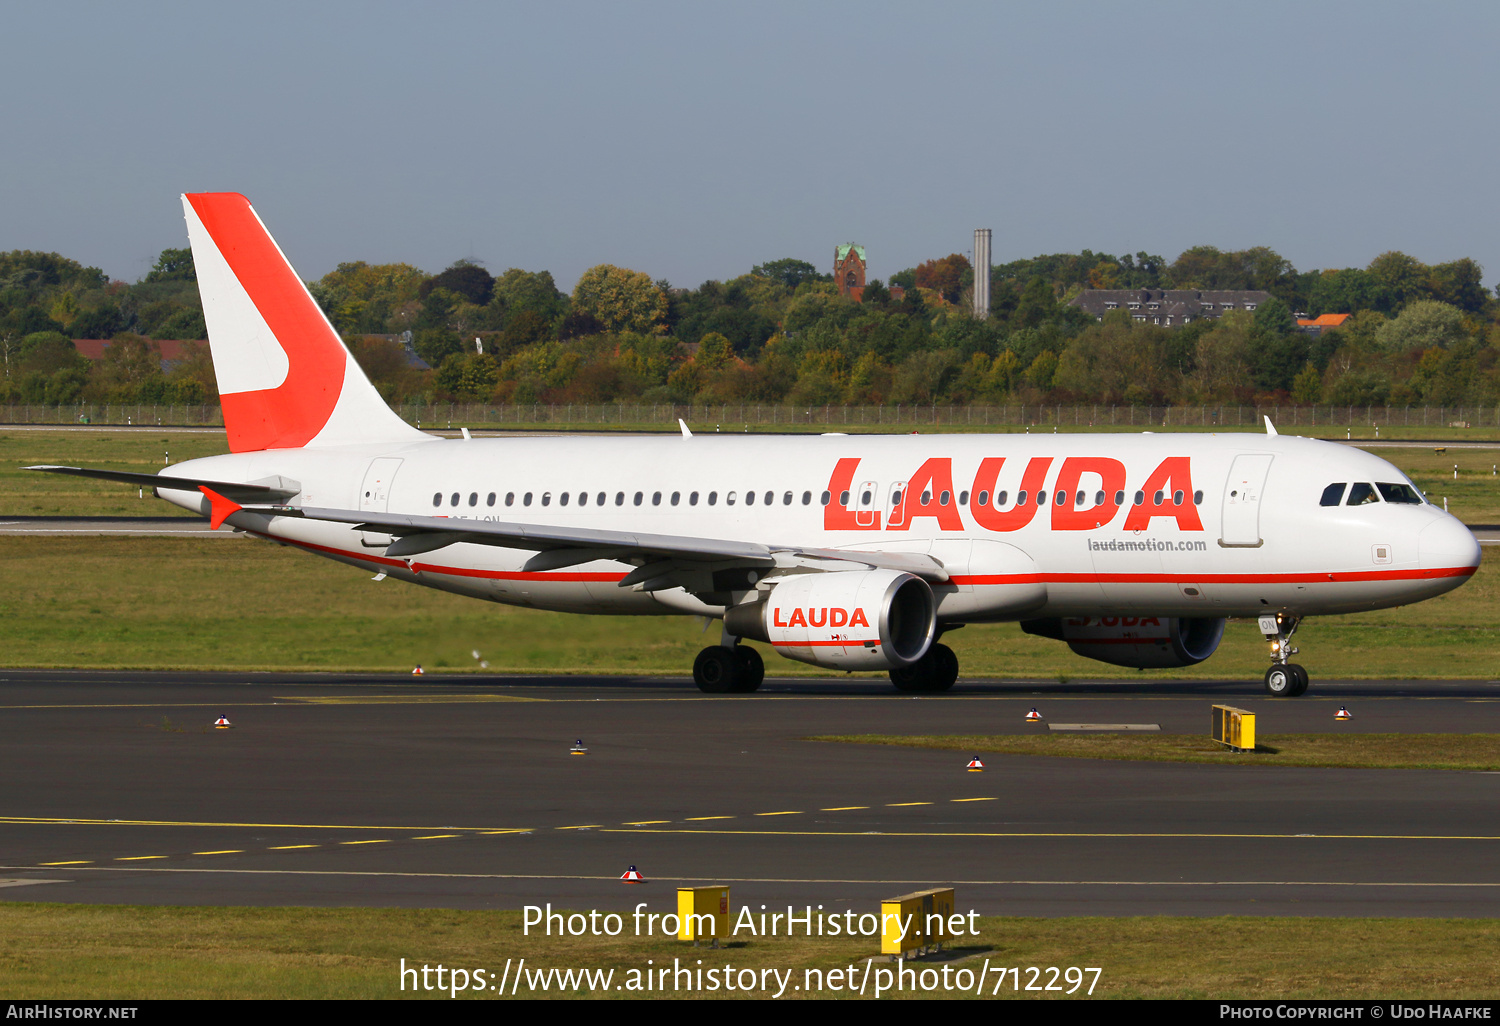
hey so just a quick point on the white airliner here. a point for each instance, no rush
(851, 552)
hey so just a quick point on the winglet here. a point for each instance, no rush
(683, 424)
(220, 508)
(1270, 428)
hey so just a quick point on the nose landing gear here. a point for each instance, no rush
(1283, 679)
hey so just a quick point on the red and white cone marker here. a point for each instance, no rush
(418, 671)
(975, 766)
(632, 875)
(1343, 713)
(578, 748)
(222, 723)
(1033, 716)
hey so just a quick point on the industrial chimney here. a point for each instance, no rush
(981, 273)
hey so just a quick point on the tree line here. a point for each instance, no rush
(781, 333)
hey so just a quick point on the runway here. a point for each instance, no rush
(461, 792)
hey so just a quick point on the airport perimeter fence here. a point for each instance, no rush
(771, 417)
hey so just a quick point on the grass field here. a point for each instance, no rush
(1359, 751)
(123, 953)
(223, 603)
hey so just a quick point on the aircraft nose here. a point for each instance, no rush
(1447, 543)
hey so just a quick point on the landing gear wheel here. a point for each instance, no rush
(944, 667)
(715, 671)
(1300, 688)
(916, 677)
(752, 669)
(1281, 680)
(934, 672)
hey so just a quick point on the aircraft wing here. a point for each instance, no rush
(558, 547)
(270, 490)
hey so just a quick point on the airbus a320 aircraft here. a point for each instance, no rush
(846, 552)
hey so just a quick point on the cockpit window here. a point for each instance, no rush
(1399, 493)
(1361, 493)
(1333, 494)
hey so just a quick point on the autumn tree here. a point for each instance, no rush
(945, 276)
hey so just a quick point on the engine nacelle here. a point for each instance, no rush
(847, 619)
(1143, 642)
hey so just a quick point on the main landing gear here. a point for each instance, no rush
(936, 671)
(1283, 679)
(728, 669)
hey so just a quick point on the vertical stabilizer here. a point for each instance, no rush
(285, 379)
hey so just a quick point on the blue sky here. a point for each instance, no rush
(693, 140)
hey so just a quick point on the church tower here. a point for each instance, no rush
(849, 270)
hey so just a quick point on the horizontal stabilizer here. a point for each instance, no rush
(273, 490)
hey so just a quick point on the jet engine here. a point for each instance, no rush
(1144, 642)
(845, 619)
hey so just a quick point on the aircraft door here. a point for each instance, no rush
(375, 497)
(1240, 525)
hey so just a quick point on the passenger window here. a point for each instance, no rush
(1361, 493)
(1156, 499)
(526, 499)
(896, 497)
(693, 499)
(1119, 498)
(510, 498)
(1098, 498)
(786, 499)
(1403, 493)
(1041, 498)
(713, 498)
(1061, 498)
(864, 498)
(546, 498)
(453, 500)
(769, 498)
(982, 498)
(1198, 497)
(749, 498)
(1177, 498)
(583, 498)
(473, 498)
(825, 497)
(1020, 498)
(619, 498)
(729, 499)
(943, 498)
(437, 499)
(1140, 498)
(656, 498)
(843, 498)
(490, 500)
(963, 498)
(1000, 498)
(638, 497)
(676, 498)
(562, 500)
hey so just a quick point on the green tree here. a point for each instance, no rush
(789, 272)
(173, 265)
(463, 278)
(1403, 277)
(622, 299)
(1307, 387)
(1423, 325)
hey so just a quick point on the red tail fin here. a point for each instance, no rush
(285, 378)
